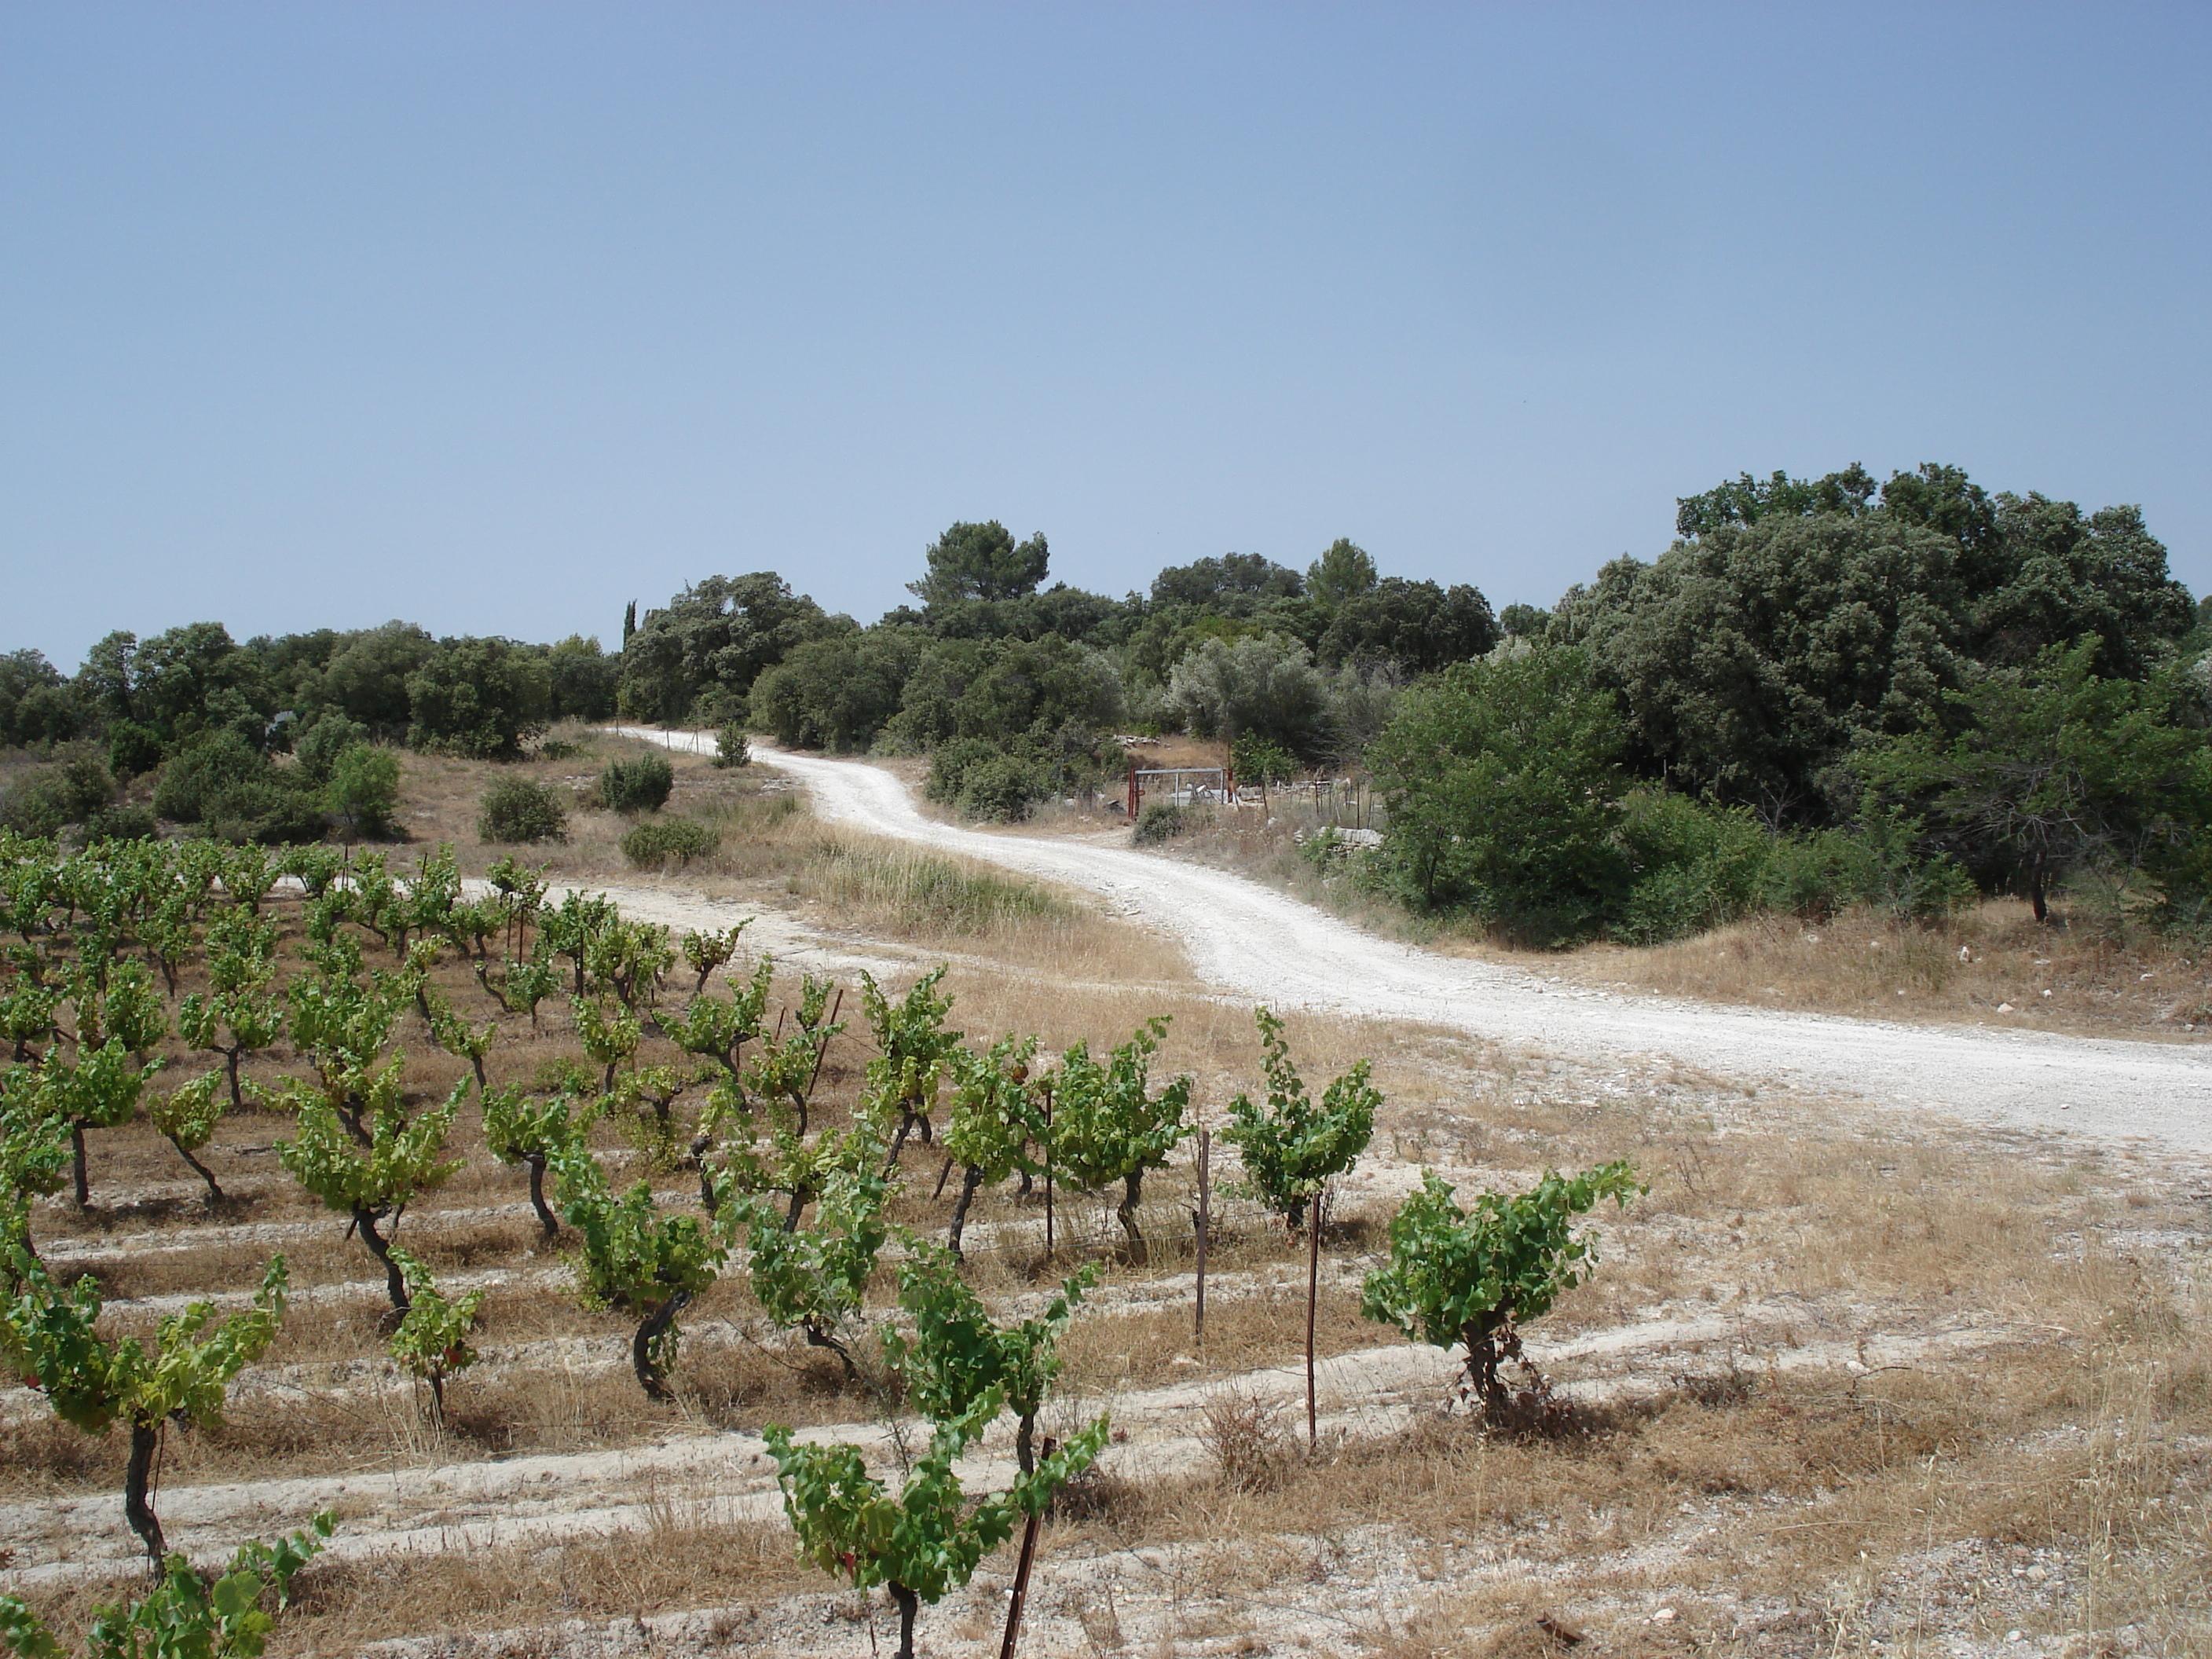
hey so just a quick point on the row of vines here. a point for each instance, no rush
(151, 978)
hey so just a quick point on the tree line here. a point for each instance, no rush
(1825, 691)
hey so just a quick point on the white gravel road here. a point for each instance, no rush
(1257, 943)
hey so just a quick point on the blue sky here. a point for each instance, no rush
(495, 316)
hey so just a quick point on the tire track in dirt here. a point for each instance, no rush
(1265, 946)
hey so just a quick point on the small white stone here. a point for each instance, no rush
(2004, 1007)
(1664, 1616)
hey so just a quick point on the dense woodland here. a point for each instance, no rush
(1825, 692)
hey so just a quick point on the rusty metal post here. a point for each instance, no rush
(1048, 1174)
(1312, 1293)
(1205, 1148)
(1022, 1573)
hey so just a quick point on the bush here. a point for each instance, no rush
(642, 785)
(364, 788)
(660, 842)
(318, 747)
(1002, 790)
(132, 749)
(730, 748)
(949, 765)
(517, 809)
(1162, 822)
(120, 824)
(50, 796)
(271, 809)
(1260, 761)
(979, 779)
(202, 769)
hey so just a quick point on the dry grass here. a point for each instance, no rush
(1993, 964)
(774, 855)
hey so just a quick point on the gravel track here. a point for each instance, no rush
(1261, 945)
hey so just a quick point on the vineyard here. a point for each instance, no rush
(464, 1255)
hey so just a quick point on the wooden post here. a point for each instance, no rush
(1022, 1573)
(1205, 1148)
(1132, 809)
(1313, 1294)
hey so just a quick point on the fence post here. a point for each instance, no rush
(1205, 1148)
(1022, 1572)
(1312, 1293)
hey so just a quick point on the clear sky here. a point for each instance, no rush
(494, 316)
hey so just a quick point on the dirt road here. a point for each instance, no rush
(1260, 944)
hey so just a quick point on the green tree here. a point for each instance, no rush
(838, 692)
(1267, 687)
(1228, 586)
(482, 698)
(698, 656)
(1344, 572)
(980, 561)
(1474, 1277)
(365, 677)
(1415, 625)
(27, 683)
(1503, 779)
(364, 789)
(2055, 767)
(583, 679)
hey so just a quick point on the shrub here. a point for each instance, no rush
(980, 780)
(364, 787)
(518, 809)
(318, 748)
(53, 796)
(642, 785)
(271, 809)
(1107, 1126)
(120, 824)
(1260, 761)
(949, 767)
(132, 749)
(197, 770)
(1002, 790)
(1162, 822)
(730, 748)
(1474, 1277)
(659, 841)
